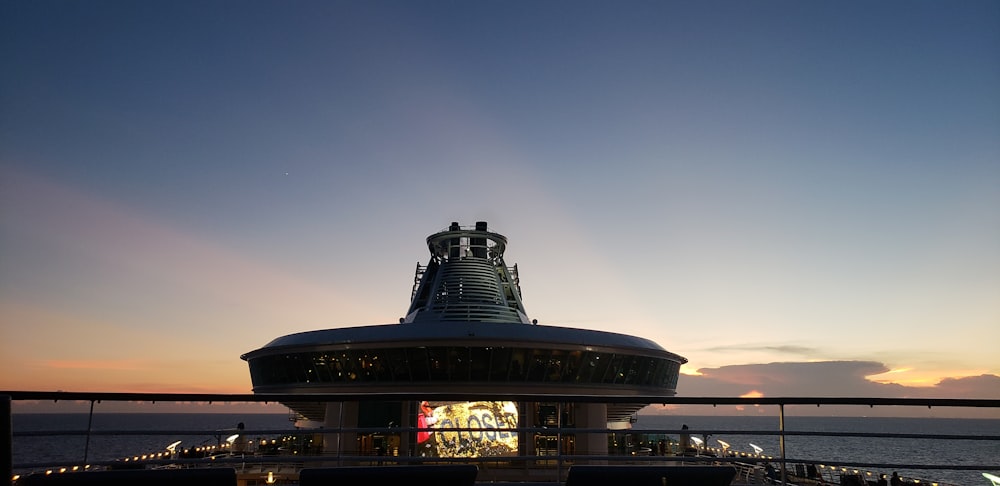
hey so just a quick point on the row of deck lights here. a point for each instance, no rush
(167, 454)
(49, 472)
(724, 450)
(269, 479)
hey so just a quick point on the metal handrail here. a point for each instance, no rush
(528, 396)
(6, 466)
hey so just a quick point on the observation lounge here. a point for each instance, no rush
(466, 333)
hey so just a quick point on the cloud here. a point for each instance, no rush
(982, 386)
(821, 379)
(825, 379)
(783, 349)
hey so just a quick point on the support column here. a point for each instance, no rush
(526, 418)
(592, 416)
(349, 440)
(340, 415)
(332, 421)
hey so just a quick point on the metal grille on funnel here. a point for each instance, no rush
(466, 279)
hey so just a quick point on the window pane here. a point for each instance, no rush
(614, 372)
(419, 364)
(571, 366)
(437, 359)
(601, 363)
(479, 366)
(553, 371)
(321, 362)
(500, 364)
(629, 370)
(458, 363)
(538, 362)
(517, 365)
(396, 361)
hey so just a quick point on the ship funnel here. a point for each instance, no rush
(466, 279)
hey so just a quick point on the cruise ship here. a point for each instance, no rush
(465, 388)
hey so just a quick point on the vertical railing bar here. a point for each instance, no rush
(559, 444)
(340, 434)
(781, 441)
(6, 439)
(90, 422)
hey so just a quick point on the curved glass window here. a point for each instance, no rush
(463, 364)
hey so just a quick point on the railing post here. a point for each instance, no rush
(6, 440)
(559, 444)
(90, 423)
(781, 441)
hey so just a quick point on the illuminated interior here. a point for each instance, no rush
(456, 364)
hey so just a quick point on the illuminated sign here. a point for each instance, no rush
(467, 429)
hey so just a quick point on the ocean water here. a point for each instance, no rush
(858, 449)
(70, 449)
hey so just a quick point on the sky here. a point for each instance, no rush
(801, 198)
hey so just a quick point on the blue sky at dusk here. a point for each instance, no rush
(776, 190)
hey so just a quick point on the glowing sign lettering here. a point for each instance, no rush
(487, 430)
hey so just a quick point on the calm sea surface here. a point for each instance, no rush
(848, 449)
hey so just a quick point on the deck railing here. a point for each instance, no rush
(746, 464)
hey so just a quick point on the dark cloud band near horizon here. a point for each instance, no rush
(825, 379)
